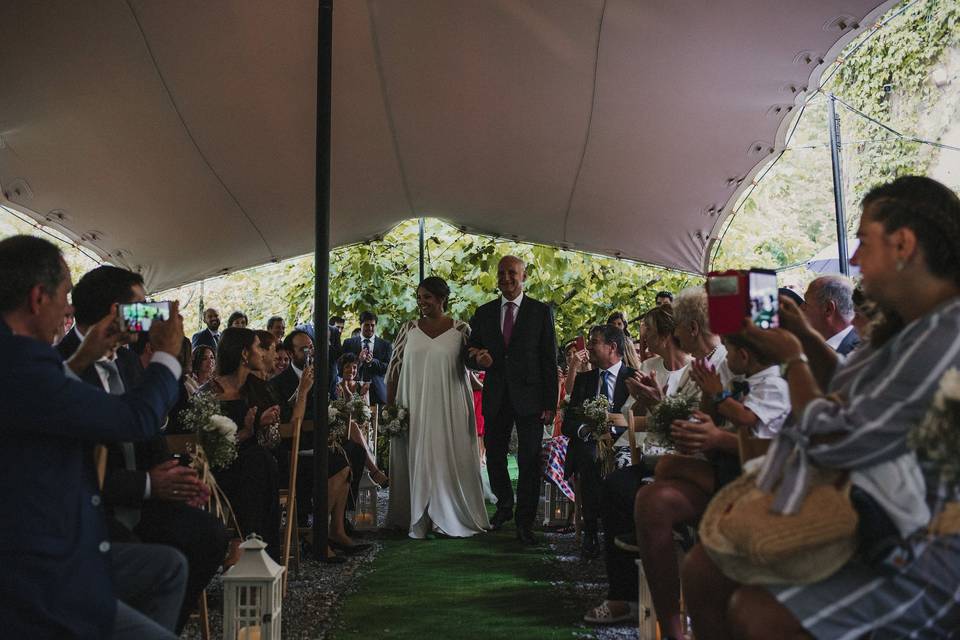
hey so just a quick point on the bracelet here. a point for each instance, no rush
(785, 367)
(723, 395)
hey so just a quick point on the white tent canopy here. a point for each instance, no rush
(177, 137)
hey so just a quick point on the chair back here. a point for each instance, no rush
(750, 446)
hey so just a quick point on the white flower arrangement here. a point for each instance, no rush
(216, 433)
(394, 421)
(936, 439)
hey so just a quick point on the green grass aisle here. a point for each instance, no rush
(488, 586)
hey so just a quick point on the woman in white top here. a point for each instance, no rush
(436, 468)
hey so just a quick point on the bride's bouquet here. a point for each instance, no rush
(216, 433)
(394, 421)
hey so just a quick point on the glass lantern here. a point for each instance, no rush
(556, 507)
(365, 515)
(252, 594)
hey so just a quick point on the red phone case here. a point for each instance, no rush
(728, 304)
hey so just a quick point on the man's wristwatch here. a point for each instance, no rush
(723, 395)
(785, 366)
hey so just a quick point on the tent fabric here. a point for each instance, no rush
(177, 137)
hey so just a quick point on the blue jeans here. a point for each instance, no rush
(149, 581)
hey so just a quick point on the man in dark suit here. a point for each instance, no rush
(513, 339)
(373, 355)
(608, 377)
(147, 494)
(828, 307)
(61, 576)
(209, 337)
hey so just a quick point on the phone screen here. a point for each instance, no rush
(139, 316)
(764, 305)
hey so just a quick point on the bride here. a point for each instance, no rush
(435, 469)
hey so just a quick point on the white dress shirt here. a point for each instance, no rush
(834, 341)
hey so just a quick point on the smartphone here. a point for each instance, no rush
(581, 343)
(764, 299)
(138, 317)
(738, 294)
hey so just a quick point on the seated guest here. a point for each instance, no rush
(282, 361)
(670, 502)
(346, 388)
(619, 489)
(608, 378)
(300, 347)
(209, 337)
(828, 306)
(204, 365)
(261, 394)
(251, 483)
(147, 494)
(186, 361)
(277, 327)
(909, 259)
(237, 319)
(61, 577)
(866, 314)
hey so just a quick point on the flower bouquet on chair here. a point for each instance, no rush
(215, 448)
(936, 440)
(394, 421)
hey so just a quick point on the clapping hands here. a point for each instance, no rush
(695, 435)
(706, 377)
(645, 388)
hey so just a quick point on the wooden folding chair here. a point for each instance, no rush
(750, 446)
(288, 497)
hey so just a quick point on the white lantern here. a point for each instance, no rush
(252, 594)
(365, 515)
(556, 506)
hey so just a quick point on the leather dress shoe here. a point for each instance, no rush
(501, 517)
(525, 536)
(590, 546)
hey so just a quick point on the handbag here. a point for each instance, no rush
(752, 544)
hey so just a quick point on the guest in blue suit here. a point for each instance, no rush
(60, 577)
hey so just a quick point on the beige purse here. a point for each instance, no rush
(753, 545)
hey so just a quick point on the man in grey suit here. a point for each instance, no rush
(828, 306)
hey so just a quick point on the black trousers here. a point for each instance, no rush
(617, 493)
(252, 484)
(587, 468)
(197, 534)
(496, 439)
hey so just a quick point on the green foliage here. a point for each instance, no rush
(382, 276)
(790, 215)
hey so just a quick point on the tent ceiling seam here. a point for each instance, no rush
(586, 136)
(189, 133)
(387, 109)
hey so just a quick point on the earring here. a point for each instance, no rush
(899, 265)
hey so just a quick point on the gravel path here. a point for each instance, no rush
(315, 592)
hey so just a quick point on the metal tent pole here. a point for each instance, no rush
(834, 121)
(321, 286)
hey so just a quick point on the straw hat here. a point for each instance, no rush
(752, 545)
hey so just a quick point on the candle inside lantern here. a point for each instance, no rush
(249, 633)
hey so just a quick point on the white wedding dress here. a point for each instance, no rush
(435, 481)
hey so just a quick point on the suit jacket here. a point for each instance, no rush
(584, 388)
(849, 343)
(523, 375)
(53, 541)
(286, 385)
(375, 370)
(205, 338)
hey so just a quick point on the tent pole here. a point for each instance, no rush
(421, 248)
(838, 201)
(321, 284)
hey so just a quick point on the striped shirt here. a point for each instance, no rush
(873, 401)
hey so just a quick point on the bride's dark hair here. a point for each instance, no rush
(438, 288)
